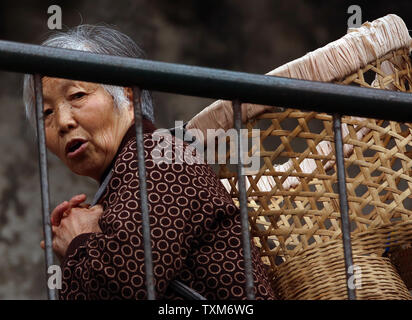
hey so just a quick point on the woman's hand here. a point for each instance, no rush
(78, 221)
(70, 219)
(63, 208)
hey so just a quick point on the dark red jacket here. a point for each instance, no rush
(195, 231)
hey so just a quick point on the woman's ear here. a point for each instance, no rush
(128, 92)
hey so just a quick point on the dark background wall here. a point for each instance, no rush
(251, 36)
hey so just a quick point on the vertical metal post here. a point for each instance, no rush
(343, 201)
(143, 193)
(44, 181)
(237, 116)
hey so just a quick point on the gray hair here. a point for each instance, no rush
(97, 39)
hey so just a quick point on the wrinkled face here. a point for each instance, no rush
(83, 127)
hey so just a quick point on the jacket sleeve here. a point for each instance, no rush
(184, 200)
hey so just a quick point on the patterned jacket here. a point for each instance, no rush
(195, 233)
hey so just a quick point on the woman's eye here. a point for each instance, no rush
(47, 112)
(77, 95)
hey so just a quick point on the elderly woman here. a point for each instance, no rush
(195, 227)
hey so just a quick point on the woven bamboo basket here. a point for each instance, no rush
(293, 198)
(317, 274)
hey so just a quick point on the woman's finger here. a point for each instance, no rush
(42, 244)
(77, 200)
(84, 205)
(57, 213)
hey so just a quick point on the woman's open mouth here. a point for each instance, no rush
(75, 148)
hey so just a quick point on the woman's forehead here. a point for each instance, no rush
(55, 85)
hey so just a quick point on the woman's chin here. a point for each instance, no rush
(82, 169)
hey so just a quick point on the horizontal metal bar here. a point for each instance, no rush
(206, 82)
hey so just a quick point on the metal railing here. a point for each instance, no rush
(203, 82)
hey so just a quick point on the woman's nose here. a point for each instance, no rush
(65, 119)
